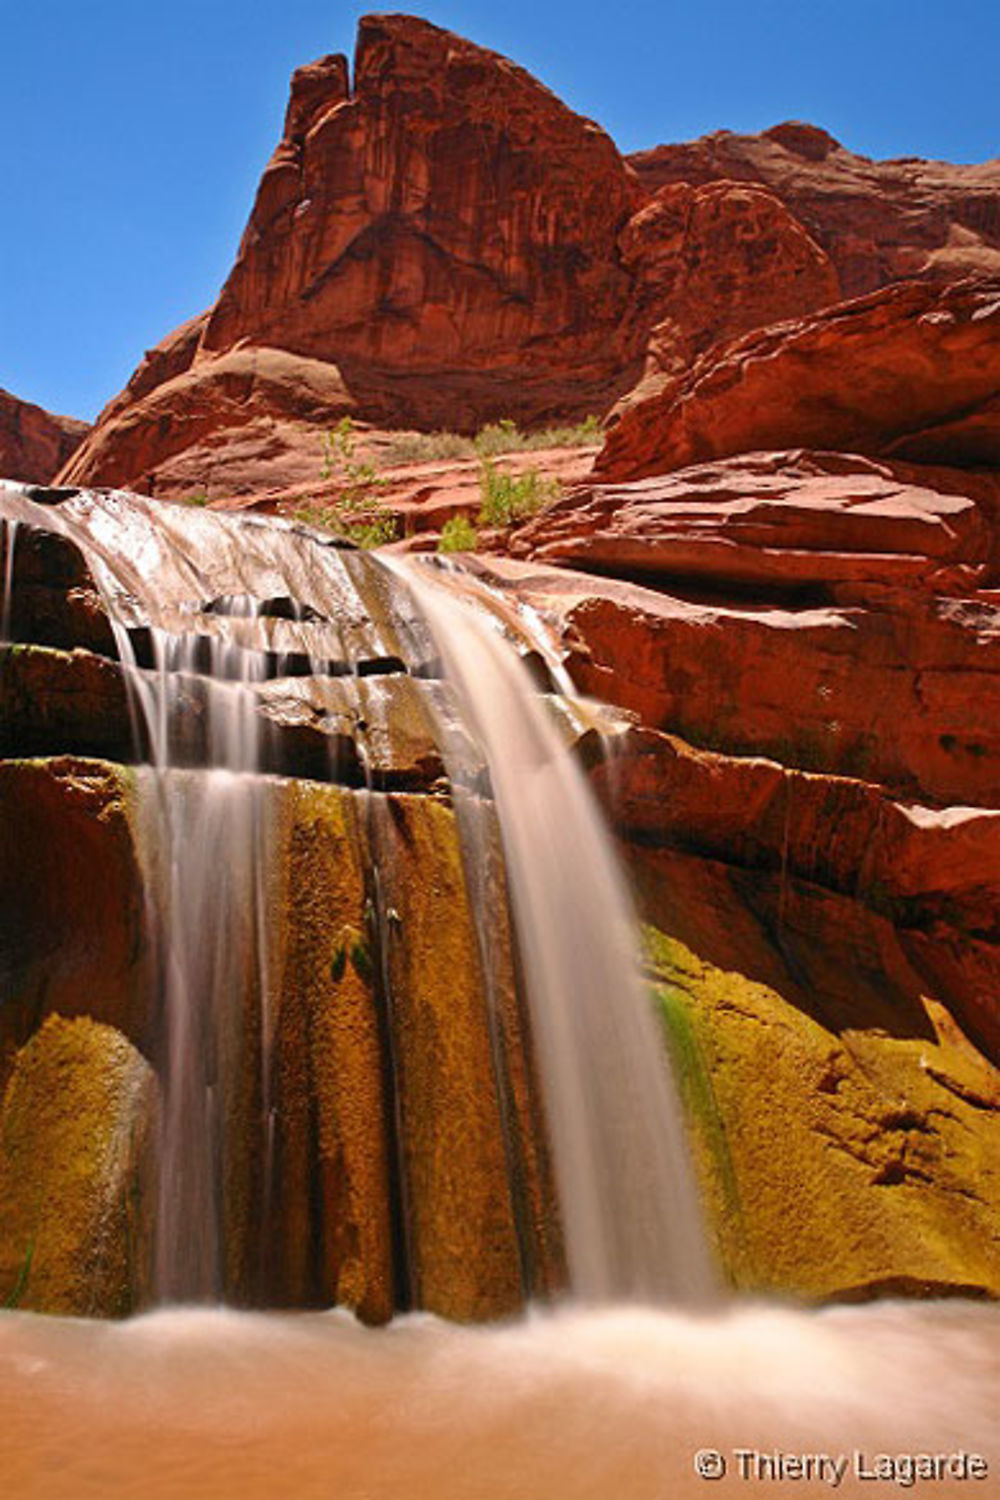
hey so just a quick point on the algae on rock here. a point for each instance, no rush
(841, 1155)
(76, 1128)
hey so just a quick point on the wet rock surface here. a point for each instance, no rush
(827, 950)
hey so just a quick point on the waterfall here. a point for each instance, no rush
(8, 530)
(204, 608)
(631, 1216)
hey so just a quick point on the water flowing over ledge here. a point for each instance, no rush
(631, 1217)
(205, 610)
(361, 1090)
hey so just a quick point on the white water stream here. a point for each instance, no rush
(631, 1216)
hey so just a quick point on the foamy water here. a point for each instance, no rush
(604, 1403)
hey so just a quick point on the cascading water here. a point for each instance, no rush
(631, 1216)
(627, 1202)
(8, 532)
(584, 1402)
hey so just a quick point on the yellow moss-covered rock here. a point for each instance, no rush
(461, 1238)
(333, 1224)
(75, 1131)
(848, 1132)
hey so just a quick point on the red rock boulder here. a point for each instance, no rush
(713, 262)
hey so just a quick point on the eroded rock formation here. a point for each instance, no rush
(879, 221)
(34, 444)
(912, 372)
(811, 838)
(439, 242)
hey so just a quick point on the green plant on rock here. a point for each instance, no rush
(353, 947)
(497, 437)
(366, 531)
(508, 498)
(376, 531)
(458, 535)
(355, 511)
(340, 462)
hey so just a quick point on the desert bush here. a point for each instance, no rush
(458, 535)
(506, 498)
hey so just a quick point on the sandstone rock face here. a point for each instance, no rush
(76, 1131)
(888, 1120)
(876, 690)
(809, 813)
(879, 221)
(434, 245)
(390, 1183)
(439, 242)
(824, 523)
(912, 372)
(484, 241)
(248, 420)
(72, 927)
(715, 261)
(34, 444)
(825, 920)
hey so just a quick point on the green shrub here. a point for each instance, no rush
(505, 437)
(498, 437)
(355, 511)
(340, 463)
(458, 535)
(377, 531)
(507, 498)
(368, 531)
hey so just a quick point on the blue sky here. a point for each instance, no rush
(134, 131)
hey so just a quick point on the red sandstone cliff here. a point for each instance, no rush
(438, 243)
(34, 444)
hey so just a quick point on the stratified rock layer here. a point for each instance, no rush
(819, 523)
(912, 372)
(810, 819)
